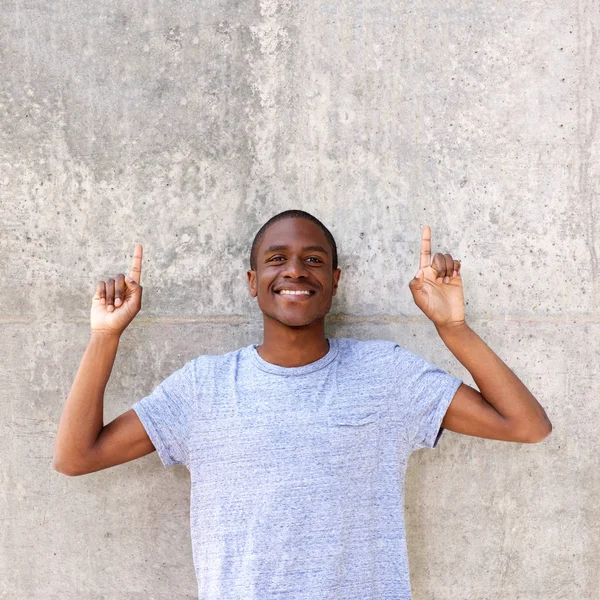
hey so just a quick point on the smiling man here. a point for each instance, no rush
(294, 275)
(298, 447)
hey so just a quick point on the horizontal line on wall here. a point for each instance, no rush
(338, 318)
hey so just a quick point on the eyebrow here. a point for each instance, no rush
(284, 247)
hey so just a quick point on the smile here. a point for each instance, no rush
(295, 294)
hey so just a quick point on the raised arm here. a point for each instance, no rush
(83, 444)
(504, 409)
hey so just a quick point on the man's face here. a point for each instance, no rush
(294, 255)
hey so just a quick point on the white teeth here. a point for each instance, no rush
(294, 293)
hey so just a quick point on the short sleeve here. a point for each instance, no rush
(166, 415)
(423, 394)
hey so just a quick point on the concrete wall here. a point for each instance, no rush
(184, 126)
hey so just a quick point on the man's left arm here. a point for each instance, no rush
(503, 409)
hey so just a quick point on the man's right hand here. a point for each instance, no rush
(118, 300)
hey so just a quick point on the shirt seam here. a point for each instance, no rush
(274, 370)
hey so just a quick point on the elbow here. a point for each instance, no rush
(68, 463)
(56, 466)
(65, 470)
(57, 463)
(541, 434)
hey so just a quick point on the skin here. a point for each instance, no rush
(503, 408)
(294, 335)
(123, 293)
(83, 443)
(294, 328)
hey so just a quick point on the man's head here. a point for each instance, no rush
(294, 252)
(293, 214)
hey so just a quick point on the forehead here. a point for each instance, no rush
(293, 232)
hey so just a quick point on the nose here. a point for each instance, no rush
(294, 267)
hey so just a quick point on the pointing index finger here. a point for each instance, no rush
(425, 259)
(136, 265)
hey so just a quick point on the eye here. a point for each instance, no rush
(283, 258)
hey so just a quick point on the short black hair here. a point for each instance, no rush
(292, 214)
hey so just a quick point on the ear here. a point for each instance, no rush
(252, 283)
(336, 279)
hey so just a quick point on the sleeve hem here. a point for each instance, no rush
(437, 430)
(153, 434)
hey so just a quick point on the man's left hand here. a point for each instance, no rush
(437, 287)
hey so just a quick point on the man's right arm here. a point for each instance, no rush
(83, 444)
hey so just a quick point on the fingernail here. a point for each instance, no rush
(419, 273)
(102, 300)
(446, 279)
(454, 273)
(118, 302)
(110, 308)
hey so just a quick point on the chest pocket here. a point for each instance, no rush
(353, 438)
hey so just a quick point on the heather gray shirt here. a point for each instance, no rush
(297, 473)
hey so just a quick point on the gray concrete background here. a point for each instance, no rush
(184, 126)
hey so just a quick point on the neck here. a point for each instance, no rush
(293, 346)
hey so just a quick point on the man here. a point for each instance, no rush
(297, 447)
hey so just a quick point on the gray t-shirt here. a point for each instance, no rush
(297, 473)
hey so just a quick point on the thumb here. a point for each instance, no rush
(132, 284)
(416, 283)
(134, 298)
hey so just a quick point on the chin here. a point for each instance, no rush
(297, 321)
(293, 320)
